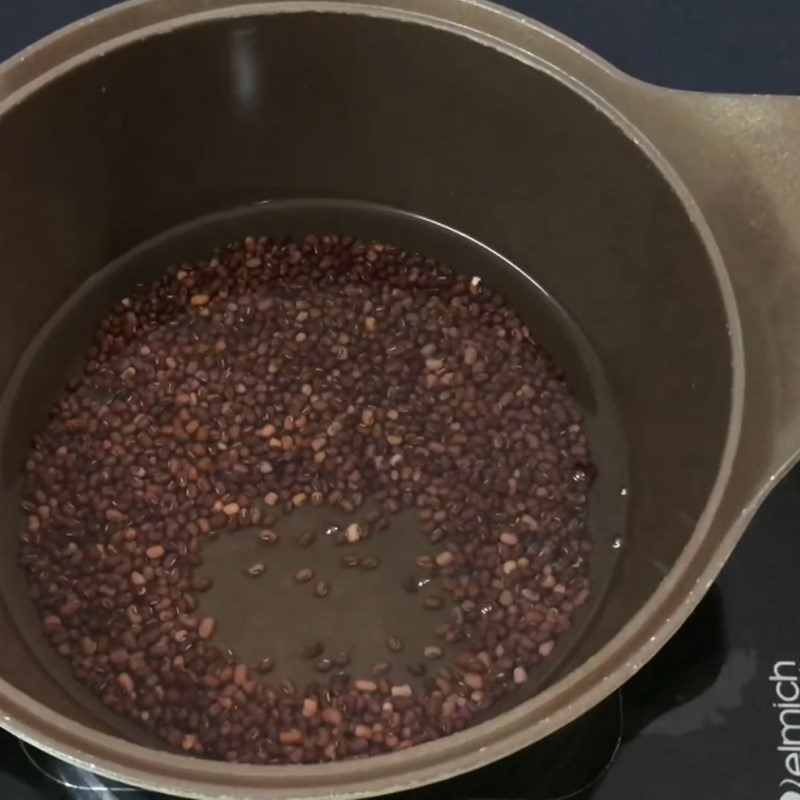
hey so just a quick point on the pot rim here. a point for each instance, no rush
(638, 640)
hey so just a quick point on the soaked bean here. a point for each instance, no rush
(207, 628)
(341, 659)
(323, 664)
(304, 575)
(333, 373)
(312, 649)
(395, 644)
(306, 539)
(266, 665)
(269, 537)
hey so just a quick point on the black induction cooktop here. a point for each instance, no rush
(712, 715)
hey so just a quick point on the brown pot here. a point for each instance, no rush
(664, 222)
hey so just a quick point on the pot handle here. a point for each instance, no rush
(740, 158)
(739, 155)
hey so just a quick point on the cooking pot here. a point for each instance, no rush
(663, 223)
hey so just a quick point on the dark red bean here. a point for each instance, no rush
(304, 575)
(266, 665)
(341, 659)
(323, 664)
(269, 537)
(312, 650)
(333, 373)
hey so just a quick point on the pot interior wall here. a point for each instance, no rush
(226, 113)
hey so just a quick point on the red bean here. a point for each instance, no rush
(329, 372)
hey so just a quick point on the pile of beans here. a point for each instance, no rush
(329, 372)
